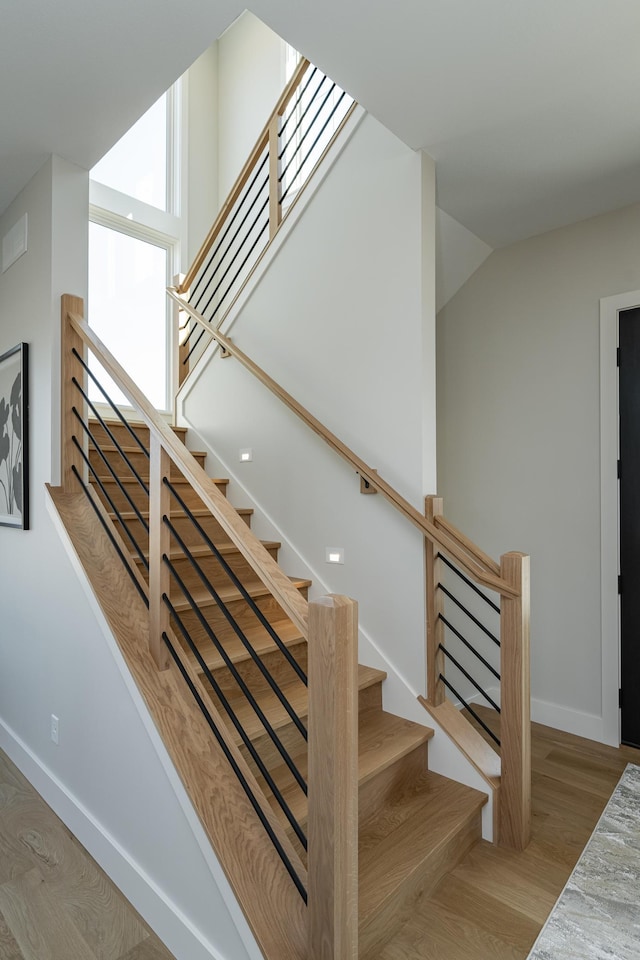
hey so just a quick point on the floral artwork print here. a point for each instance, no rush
(12, 438)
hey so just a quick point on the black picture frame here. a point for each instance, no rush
(14, 437)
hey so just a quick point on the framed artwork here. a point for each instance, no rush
(14, 438)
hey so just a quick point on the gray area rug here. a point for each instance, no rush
(597, 916)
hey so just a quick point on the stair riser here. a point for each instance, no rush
(275, 663)
(134, 458)
(292, 741)
(381, 788)
(241, 613)
(190, 534)
(140, 497)
(122, 435)
(185, 528)
(421, 882)
(213, 570)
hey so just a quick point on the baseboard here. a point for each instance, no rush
(581, 724)
(165, 918)
(586, 725)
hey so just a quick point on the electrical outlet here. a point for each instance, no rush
(55, 732)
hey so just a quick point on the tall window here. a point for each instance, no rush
(134, 249)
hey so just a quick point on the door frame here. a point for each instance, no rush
(610, 308)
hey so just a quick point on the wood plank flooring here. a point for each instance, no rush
(493, 905)
(55, 902)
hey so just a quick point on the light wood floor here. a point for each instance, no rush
(55, 902)
(493, 905)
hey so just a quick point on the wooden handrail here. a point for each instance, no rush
(455, 548)
(249, 546)
(244, 175)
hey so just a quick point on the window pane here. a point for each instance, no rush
(137, 164)
(128, 310)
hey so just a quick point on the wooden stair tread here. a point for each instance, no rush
(219, 481)
(134, 448)
(437, 810)
(199, 512)
(296, 694)
(383, 738)
(135, 425)
(258, 637)
(254, 588)
(226, 549)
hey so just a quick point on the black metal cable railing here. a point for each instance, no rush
(110, 491)
(110, 534)
(238, 584)
(305, 129)
(246, 739)
(286, 860)
(233, 623)
(466, 671)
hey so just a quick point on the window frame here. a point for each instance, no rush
(166, 229)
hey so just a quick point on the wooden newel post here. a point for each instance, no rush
(434, 507)
(333, 779)
(515, 717)
(159, 545)
(71, 367)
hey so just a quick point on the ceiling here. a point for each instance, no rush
(530, 109)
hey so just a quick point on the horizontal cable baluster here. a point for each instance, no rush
(111, 536)
(468, 582)
(238, 206)
(131, 537)
(115, 409)
(246, 739)
(470, 709)
(109, 467)
(302, 117)
(117, 445)
(238, 772)
(257, 709)
(239, 585)
(235, 627)
(469, 646)
(306, 133)
(466, 673)
(462, 607)
(313, 145)
(230, 244)
(292, 107)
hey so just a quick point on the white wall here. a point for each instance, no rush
(459, 253)
(519, 437)
(106, 778)
(338, 320)
(250, 80)
(202, 153)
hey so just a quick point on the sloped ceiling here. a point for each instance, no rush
(529, 108)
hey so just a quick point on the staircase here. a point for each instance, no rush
(413, 825)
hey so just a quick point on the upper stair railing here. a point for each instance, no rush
(445, 546)
(145, 520)
(307, 117)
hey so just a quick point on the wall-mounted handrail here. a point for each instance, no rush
(453, 543)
